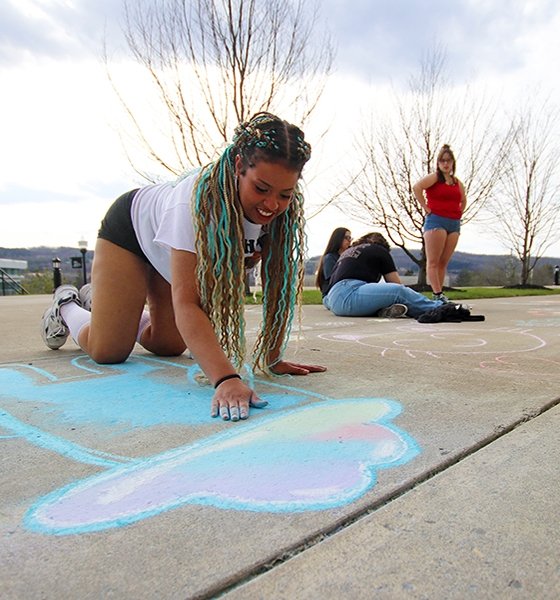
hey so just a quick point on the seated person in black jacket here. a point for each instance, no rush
(365, 282)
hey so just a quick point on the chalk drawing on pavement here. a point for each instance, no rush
(306, 452)
(438, 341)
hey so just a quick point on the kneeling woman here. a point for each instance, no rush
(356, 289)
(182, 248)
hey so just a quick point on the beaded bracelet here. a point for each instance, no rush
(225, 378)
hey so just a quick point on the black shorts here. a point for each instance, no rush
(117, 226)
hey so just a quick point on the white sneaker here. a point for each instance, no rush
(85, 296)
(395, 311)
(441, 297)
(53, 329)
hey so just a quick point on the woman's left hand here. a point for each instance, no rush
(284, 367)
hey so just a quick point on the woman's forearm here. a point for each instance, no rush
(200, 337)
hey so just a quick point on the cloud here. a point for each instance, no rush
(387, 38)
(61, 122)
(56, 28)
(377, 41)
(27, 29)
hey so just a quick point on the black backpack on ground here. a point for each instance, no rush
(449, 313)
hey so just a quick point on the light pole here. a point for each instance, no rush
(57, 277)
(82, 245)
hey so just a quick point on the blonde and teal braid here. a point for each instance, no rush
(281, 294)
(218, 221)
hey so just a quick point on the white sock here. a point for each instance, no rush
(144, 322)
(75, 318)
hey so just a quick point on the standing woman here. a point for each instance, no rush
(339, 241)
(442, 196)
(182, 248)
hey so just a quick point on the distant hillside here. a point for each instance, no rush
(464, 261)
(40, 258)
(459, 262)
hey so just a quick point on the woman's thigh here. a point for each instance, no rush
(372, 297)
(434, 240)
(353, 298)
(119, 281)
(163, 337)
(449, 247)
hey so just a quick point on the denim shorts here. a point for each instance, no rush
(436, 222)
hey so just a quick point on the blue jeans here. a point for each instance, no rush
(355, 298)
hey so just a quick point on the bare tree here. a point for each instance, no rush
(212, 63)
(402, 147)
(526, 208)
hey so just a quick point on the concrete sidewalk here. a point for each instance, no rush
(422, 464)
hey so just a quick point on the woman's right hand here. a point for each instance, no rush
(232, 400)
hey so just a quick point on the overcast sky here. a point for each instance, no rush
(61, 159)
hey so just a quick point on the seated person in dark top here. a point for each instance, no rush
(365, 283)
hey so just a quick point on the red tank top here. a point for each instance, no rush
(445, 200)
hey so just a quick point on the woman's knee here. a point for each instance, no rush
(442, 263)
(172, 350)
(434, 265)
(167, 348)
(108, 354)
(108, 357)
(337, 309)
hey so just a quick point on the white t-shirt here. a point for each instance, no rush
(162, 219)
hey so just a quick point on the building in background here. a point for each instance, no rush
(11, 275)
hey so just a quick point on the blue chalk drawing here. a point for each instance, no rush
(305, 452)
(135, 394)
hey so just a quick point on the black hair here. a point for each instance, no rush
(334, 244)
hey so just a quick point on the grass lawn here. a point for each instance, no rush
(497, 292)
(314, 296)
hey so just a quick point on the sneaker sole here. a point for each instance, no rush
(85, 298)
(56, 341)
(394, 312)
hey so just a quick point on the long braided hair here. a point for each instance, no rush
(218, 221)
